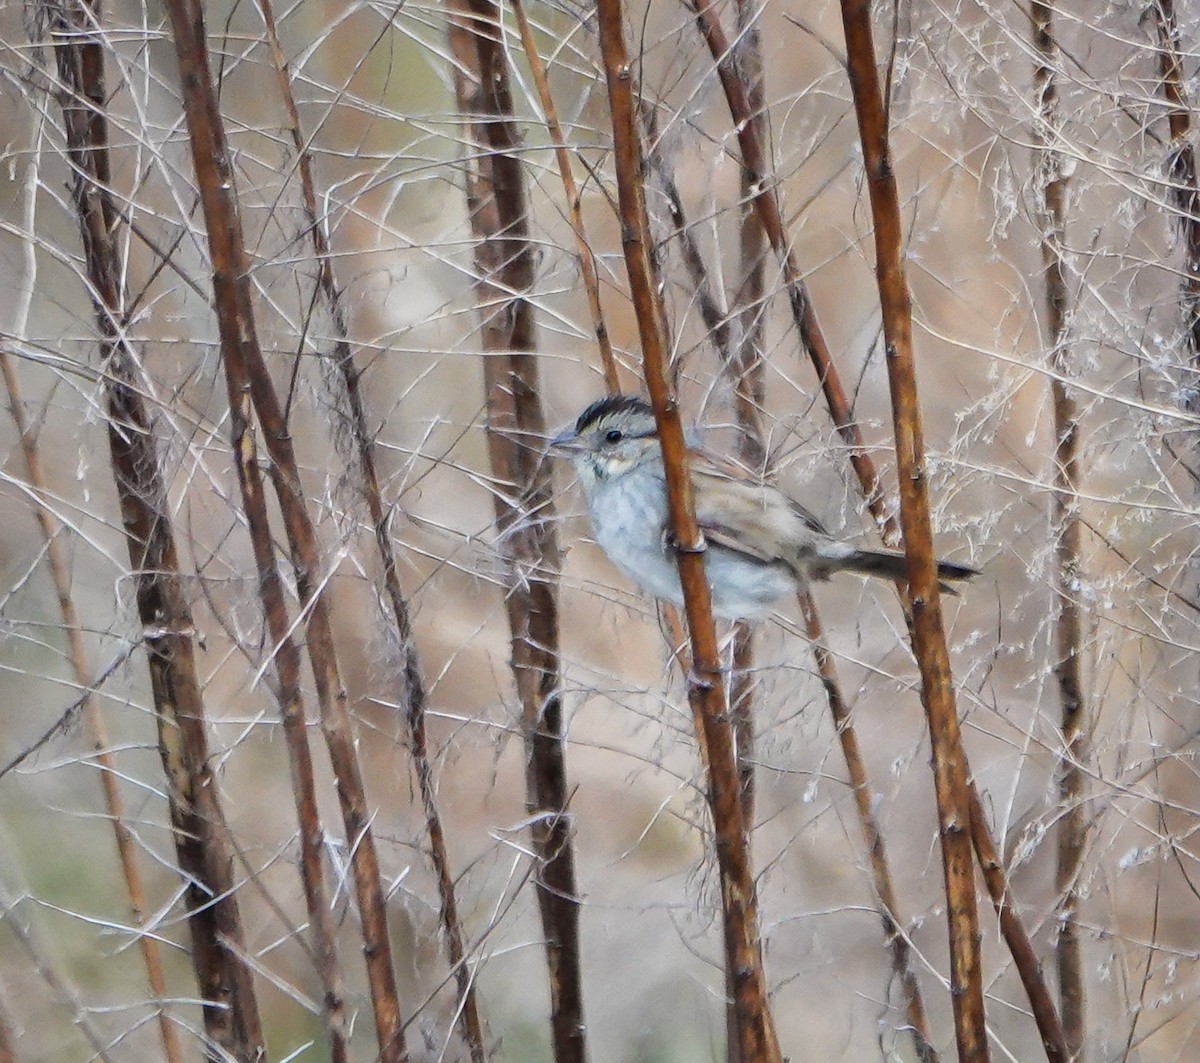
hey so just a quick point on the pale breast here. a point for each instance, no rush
(629, 516)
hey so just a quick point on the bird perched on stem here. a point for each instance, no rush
(760, 542)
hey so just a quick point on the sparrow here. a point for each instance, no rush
(760, 544)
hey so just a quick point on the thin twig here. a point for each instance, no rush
(743, 958)
(497, 205)
(248, 384)
(929, 637)
(893, 930)
(1067, 530)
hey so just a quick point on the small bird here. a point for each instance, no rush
(760, 543)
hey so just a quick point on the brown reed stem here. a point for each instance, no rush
(226, 987)
(497, 205)
(412, 693)
(1015, 935)
(1067, 529)
(93, 719)
(893, 930)
(583, 249)
(750, 402)
(248, 384)
(756, 1028)
(1029, 970)
(765, 198)
(746, 308)
(746, 366)
(929, 638)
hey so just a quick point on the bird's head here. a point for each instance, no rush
(610, 437)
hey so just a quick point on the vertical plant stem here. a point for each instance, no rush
(743, 958)
(94, 722)
(929, 638)
(1067, 529)
(93, 719)
(587, 260)
(894, 933)
(749, 387)
(226, 987)
(1013, 930)
(412, 681)
(1029, 968)
(733, 344)
(248, 384)
(766, 202)
(504, 261)
(746, 307)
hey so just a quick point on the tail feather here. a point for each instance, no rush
(887, 565)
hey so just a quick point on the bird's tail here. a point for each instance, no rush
(887, 564)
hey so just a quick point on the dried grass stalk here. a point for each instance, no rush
(496, 199)
(412, 694)
(929, 638)
(251, 391)
(226, 987)
(1014, 933)
(1067, 531)
(743, 959)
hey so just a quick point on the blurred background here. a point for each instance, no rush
(375, 87)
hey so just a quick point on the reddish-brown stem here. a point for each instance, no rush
(746, 365)
(746, 308)
(1067, 530)
(1013, 930)
(756, 1028)
(412, 695)
(1020, 947)
(766, 202)
(226, 986)
(722, 336)
(249, 386)
(93, 719)
(929, 638)
(504, 261)
(583, 249)
(897, 939)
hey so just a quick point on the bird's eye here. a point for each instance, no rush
(613, 435)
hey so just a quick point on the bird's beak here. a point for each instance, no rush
(568, 442)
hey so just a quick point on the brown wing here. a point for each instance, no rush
(751, 518)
